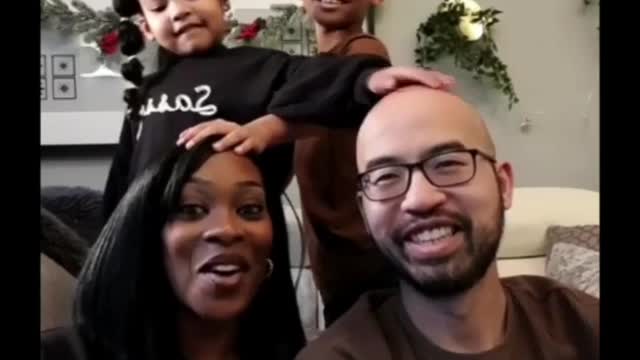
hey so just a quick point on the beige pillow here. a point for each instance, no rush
(57, 288)
(573, 257)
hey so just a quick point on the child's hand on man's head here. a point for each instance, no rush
(253, 137)
(392, 78)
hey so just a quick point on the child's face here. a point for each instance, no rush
(184, 27)
(339, 14)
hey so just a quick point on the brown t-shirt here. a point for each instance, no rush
(344, 259)
(545, 321)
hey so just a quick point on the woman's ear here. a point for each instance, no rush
(376, 2)
(146, 30)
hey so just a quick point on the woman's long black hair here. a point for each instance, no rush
(125, 307)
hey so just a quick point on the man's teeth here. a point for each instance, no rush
(226, 268)
(331, 2)
(432, 235)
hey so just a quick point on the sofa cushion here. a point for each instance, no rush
(61, 243)
(574, 257)
(77, 207)
(57, 288)
(522, 266)
(535, 209)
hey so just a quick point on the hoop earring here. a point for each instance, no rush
(269, 268)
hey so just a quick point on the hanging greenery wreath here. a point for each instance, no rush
(460, 28)
(98, 27)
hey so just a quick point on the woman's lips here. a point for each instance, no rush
(225, 264)
(225, 270)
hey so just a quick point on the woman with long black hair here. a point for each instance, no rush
(191, 265)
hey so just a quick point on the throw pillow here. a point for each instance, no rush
(573, 257)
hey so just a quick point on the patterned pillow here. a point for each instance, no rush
(573, 257)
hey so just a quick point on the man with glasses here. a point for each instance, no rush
(434, 197)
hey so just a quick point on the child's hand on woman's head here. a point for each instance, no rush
(392, 78)
(252, 137)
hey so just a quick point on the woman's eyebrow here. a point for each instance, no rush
(249, 183)
(199, 183)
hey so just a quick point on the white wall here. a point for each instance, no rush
(552, 50)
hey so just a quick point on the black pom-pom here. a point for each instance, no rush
(132, 71)
(130, 96)
(126, 8)
(131, 39)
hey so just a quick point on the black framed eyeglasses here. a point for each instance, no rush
(446, 169)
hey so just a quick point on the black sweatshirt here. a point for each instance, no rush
(240, 85)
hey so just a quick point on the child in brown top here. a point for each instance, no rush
(344, 260)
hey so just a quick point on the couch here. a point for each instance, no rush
(56, 294)
(534, 209)
(70, 220)
(523, 249)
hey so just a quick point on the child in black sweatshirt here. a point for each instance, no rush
(202, 80)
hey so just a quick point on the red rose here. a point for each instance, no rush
(249, 32)
(109, 43)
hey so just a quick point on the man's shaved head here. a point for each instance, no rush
(432, 194)
(418, 111)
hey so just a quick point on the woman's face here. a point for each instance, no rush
(217, 241)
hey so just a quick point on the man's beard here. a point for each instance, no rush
(481, 246)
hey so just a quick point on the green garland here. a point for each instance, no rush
(78, 18)
(289, 18)
(440, 36)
